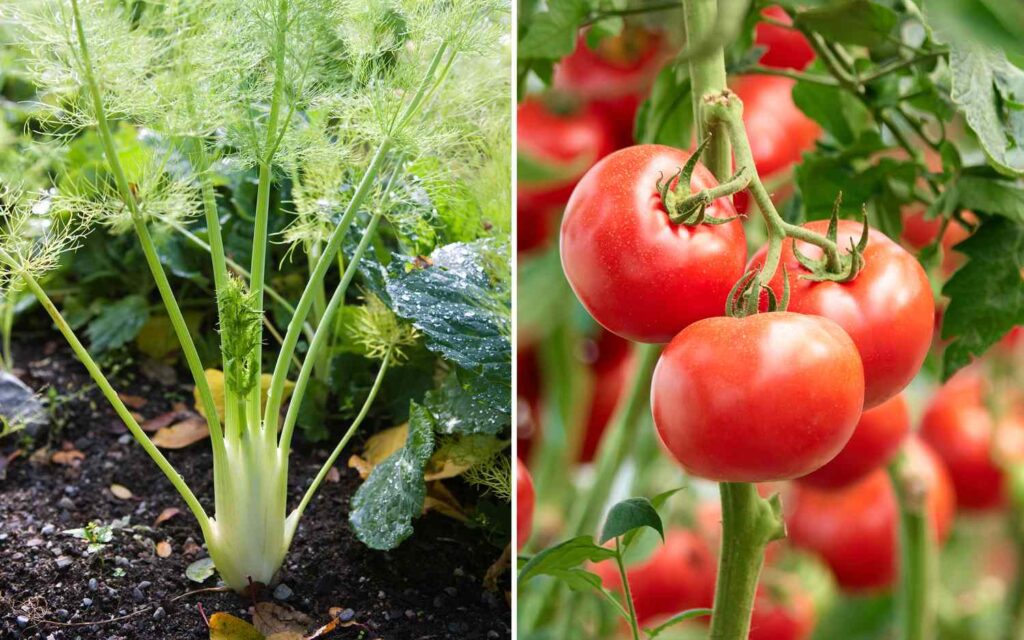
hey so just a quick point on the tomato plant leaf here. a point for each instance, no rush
(117, 323)
(858, 22)
(564, 556)
(666, 117)
(836, 110)
(986, 294)
(996, 197)
(689, 614)
(552, 33)
(989, 91)
(384, 506)
(629, 515)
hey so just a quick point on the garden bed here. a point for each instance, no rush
(431, 587)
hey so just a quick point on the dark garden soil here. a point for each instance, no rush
(431, 587)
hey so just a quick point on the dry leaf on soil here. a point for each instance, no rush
(166, 515)
(120, 491)
(224, 626)
(70, 457)
(164, 420)
(386, 442)
(163, 549)
(215, 378)
(182, 434)
(133, 402)
(271, 618)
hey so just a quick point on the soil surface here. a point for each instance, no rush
(51, 586)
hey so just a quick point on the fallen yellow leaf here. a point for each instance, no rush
(215, 378)
(224, 626)
(182, 434)
(121, 491)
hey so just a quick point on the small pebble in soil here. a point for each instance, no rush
(409, 613)
(159, 613)
(282, 592)
(22, 621)
(121, 561)
(137, 595)
(451, 591)
(62, 614)
(86, 602)
(346, 615)
(71, 490)
(145, 584)
(63, 561)
(493, 634)
(458, 572)
(48, 530)
(66, 503)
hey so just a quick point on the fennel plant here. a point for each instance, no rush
(311, 90)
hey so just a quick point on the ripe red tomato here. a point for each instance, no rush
(919, 232)
(612, 367)
(767, 397)
(855, 529)
(679, 575)
(637, 273)
(961, 428)
(616, 76)
(888, 309)
(786, 48)
(524, 504)
(875, 441)
(565, 143)
(782, 612)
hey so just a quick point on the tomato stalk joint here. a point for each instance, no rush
(689, 209)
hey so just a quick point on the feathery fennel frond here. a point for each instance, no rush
(494, 475)
(241, 328)
(34, 233)
(379, 331)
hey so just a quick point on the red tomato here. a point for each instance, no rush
(679, 575)
(566, 144)
(527, 401)
(888, 309)
(782, 614)
(617, 76)
(855, 529)
(875, 441)
(524, 504)
(786, 48)
(612, 368)
(771, 396)
(961, 428)
(637, 273)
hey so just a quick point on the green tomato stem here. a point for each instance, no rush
(916, 594)
(633, 624)
(707, 74)
(749, 523)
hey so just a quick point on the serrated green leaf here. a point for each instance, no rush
(461, 301)
(996, 197)
(986, 294)
(564, 556)
(384, 507)
(858, 22)
(117, 323)
(629, 515)
(551, 34)
(982, 81)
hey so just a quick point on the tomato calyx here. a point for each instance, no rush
(850, 264)
(690, 209)
(744, 295)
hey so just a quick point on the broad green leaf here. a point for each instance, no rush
(842, 115)
(466, 404)
(822, 177)
(989, 91)
(996, 197)
(551, 34)
(538, 172)
(656, 502)
(460, 300)
(629, 515)
(666, 117)
(986, 294)
(999, 23)
(384, 507)
(118, 323)
(564, 556)
(859, 22)
(690, 614)
(857, 618)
